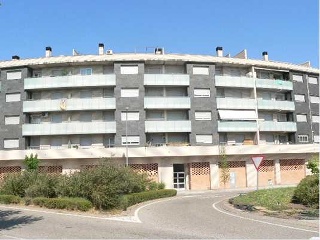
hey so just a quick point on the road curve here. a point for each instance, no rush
(202, 215)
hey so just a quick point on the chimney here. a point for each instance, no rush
(265, 56)
(101, 48)
(15, 57)
(48, 51)
(219, 51)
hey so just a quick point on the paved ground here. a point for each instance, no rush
(190, 215)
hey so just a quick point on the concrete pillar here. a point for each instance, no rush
(277, 171)
(214, 175)
(165, 170)
(251, 174)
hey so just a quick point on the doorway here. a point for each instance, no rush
(178, 176)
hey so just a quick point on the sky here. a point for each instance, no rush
(287, 29)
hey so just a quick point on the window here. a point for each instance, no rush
(85, 141)
(133, 69)
(132, 140)
(58, 72)
(13, 97)
(202, 115)
(13, 75)
(37, 74)
(300, 98)
(86, 71)
(11, 143)
(56, 142)
(203, 138)
(282, 117)
(56, 118)
(202, 92)
(130, 92)
(297, 78)
(303, 138)
(201, 70)
(86, 117)
(315, 119)
(313, 80)
(86, 94)
(132, 116)
(314, 99)
(316, 138)
(301, 117)
(56, 95)
(11, 120)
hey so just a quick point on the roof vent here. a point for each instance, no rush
(159, 51)
(219, 51)
(48, 51)
(265, 56)
(109, 52)
(101, 48)
(15, 57)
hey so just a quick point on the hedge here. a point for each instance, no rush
(7, 199)
(307, 191)
(63, 203)
(134, 198)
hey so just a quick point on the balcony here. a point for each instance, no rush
(166, 79)
(271, 126)
(275, 105)
(68, 128)
(227, 81)
(70, 81)
(69, 104)
(237, 126)
(167, 103)
(274, 84)
(235, 103)
(168, 126)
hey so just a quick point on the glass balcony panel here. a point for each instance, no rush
(228, 81)
(167, 79)
(235, 103)
(272, 126)
(167, 102)
(68, 128)
(276, 105)
(274, 84)
(237, 126)
(70, 81)
(168, 126)
(69, 104)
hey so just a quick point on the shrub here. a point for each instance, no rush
(7, 199)
(63, 203)
(134, 198)
(31, 162)
(103, 185)
(30, 184)
(313, 164)
(155, 186)
(307, 191)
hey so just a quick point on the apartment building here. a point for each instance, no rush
(168, 113)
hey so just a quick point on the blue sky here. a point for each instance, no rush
(287, 29)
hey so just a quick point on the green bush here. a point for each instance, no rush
(63, 203)
(307, 191)
(134, 198)
(103, 185)
(30, 184)
(155, 186)
(8, 199)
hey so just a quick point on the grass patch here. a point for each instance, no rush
(277, 199)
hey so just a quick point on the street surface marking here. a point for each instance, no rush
(254, 220)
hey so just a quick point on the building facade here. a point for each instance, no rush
(168, 104)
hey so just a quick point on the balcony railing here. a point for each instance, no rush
(167, 103)
(168, 126)
(227, 81)
(237, 126)
(68, 128)
(276, 105)
(274, 84)
(69, 104)
(167, 79)
(70, 81)
(235, 103)
(271, 126)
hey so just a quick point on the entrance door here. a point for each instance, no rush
(178, 176)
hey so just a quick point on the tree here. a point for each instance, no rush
(313, 164)
(224, 165)
(31, 162)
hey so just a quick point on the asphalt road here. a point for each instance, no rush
(189, 215)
